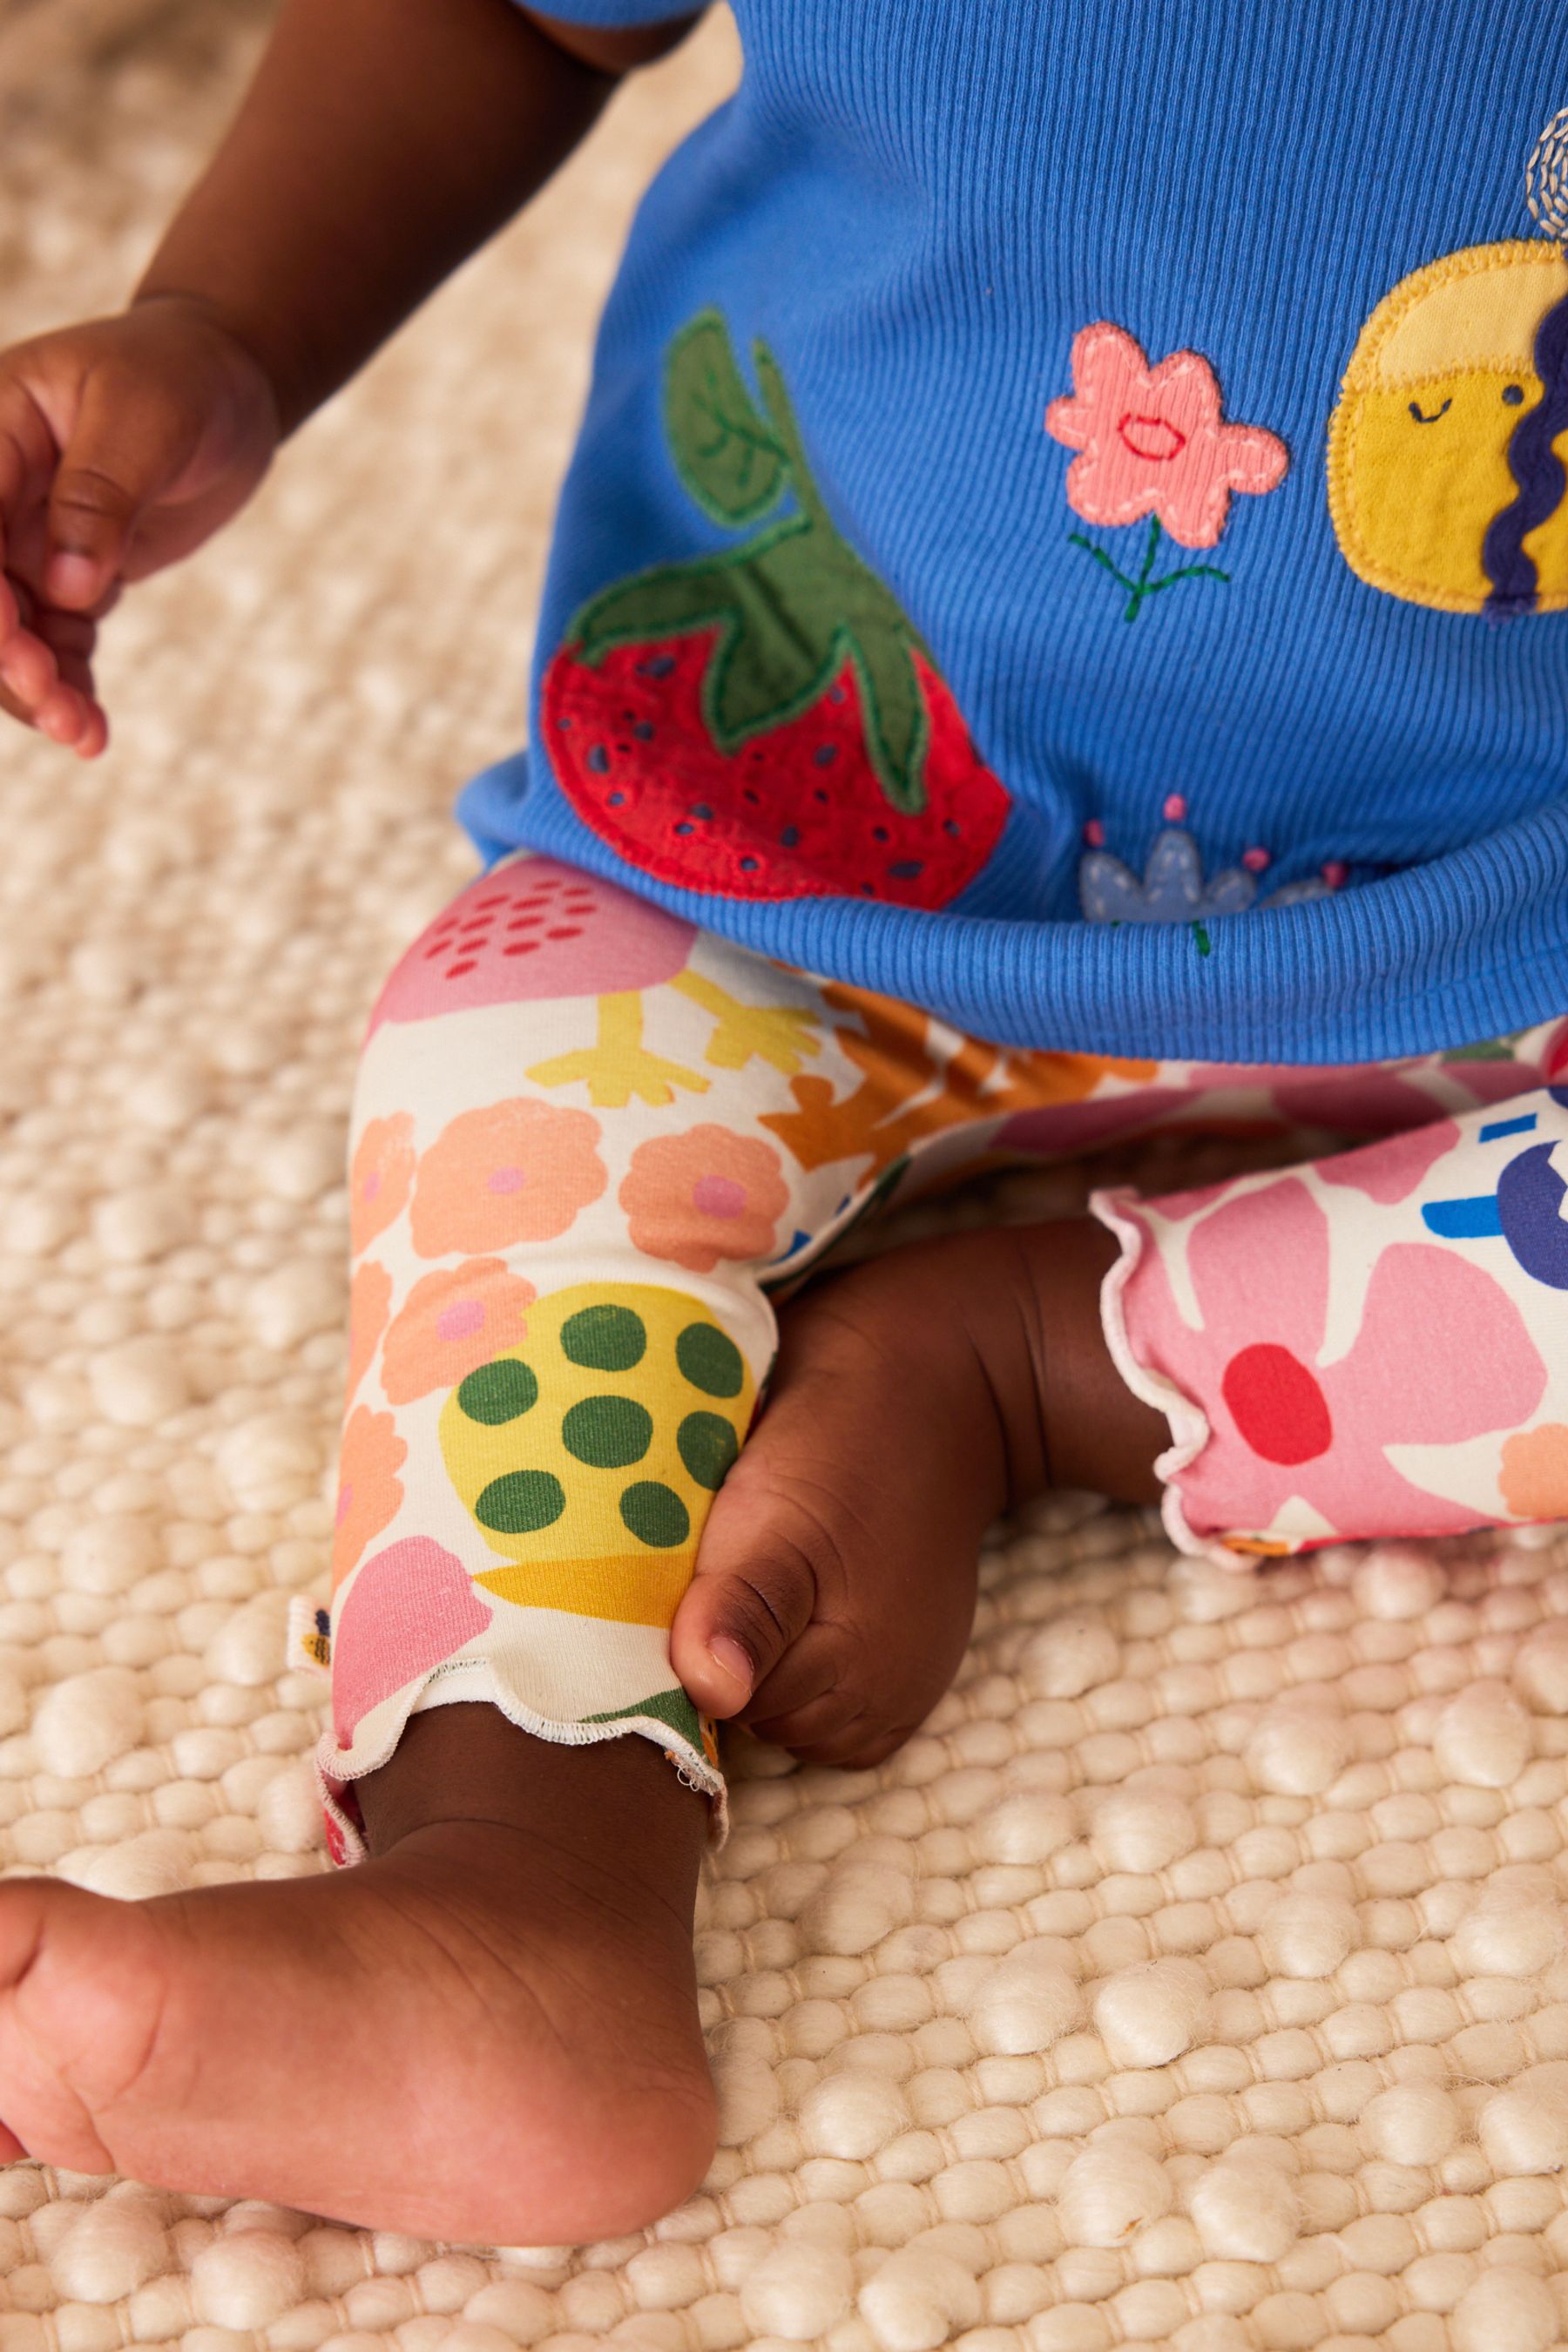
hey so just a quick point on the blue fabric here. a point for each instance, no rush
(916, 205)
(613, 14)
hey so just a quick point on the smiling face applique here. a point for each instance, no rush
(1446, 480)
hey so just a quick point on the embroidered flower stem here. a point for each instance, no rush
(1140, 590)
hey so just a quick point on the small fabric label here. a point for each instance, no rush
(308, 1648)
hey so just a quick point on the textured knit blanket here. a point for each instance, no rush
(1195, 1978)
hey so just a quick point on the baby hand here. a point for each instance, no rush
(916, 1396)
(124, 443)
(835, 1583)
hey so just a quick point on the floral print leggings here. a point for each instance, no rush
(592, 1141)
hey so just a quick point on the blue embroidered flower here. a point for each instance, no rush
(1173, 889)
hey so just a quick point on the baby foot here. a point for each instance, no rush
(916, 1397)
(486, 2033)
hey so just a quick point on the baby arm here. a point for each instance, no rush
(381, 142)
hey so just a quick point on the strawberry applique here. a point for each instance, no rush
(764, 722)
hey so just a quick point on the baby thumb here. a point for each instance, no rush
(129, 444)
(749, 1600)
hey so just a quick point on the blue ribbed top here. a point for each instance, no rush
(1069, 525)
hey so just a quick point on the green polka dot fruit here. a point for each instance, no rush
(589, 1457)
(764, 722)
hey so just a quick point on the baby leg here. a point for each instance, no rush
(1370, 1344)
(587, 1140)
(488, 2029)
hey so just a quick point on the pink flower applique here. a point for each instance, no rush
(1151, 441)
(1442, 1356)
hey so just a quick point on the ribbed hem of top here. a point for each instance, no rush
(1465, 948)
(612, 14)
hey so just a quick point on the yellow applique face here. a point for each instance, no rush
(1422, 447)
(590, 1455)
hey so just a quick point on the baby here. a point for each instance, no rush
(1056, 632)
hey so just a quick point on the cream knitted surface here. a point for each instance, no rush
(1196, 1978)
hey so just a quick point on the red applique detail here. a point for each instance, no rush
(764, 721)
(794, 814)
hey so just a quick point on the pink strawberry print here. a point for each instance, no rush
(530, 930)
(764, 722)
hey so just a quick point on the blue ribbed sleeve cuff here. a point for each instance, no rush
(612, 15)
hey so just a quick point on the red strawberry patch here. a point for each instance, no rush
(793, 815)
(764, 722)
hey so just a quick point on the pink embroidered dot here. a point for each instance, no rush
(462, 1320)
(1336, 872)
(372, 1185)
(1257, 861)
(1175, 809)
(505, 1180)
(717, 1196)
(1094, 834)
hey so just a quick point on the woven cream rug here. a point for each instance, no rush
(1196, 1978)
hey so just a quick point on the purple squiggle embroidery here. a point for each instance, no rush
(1539, 472)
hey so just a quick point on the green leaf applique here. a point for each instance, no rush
(727, 454)
(792, 606)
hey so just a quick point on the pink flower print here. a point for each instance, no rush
(450, 1323)
(1151, 441)
(515, 1172)
(1390, 1171)
(1442, 1355)
(703, 1196)
(1377, 1102)
(379, 1177)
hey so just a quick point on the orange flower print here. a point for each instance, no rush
(517, 1171)
(1534, 1478)
(370, 1297)
(379, 1177)
(704, 1195)
(450, 1323)
(369, 1488)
